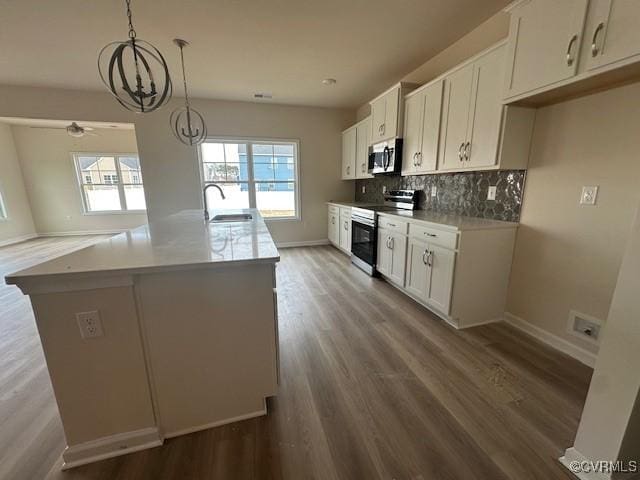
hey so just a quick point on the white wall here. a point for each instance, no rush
(170, 170)
(51, 180)
(19, 223)
(567, 256)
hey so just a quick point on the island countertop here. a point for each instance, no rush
(180, 241)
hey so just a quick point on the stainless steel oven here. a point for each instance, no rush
(364, 232)
(364, 227)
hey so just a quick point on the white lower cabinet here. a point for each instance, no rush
(429, 274)
(333, 232)
(392, 253)
(345, 229)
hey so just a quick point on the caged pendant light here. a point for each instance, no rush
(135, 72)
(187, 123)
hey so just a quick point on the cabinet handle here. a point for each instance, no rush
(391, 242)
(594, 41)
(419, 158)
(433, 235)
(383, 128)
(430, 259)
(348, 169)
(391, 224)
(570, 49)
(467, 151)
(414, 159)
(363, 167)
(460, 154)
(333, 220)
(424, 260)
(346, 225)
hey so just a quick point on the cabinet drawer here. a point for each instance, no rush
(333, 209)
(433, 235)
(393, 224)
(345, 212)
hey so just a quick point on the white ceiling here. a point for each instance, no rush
(239, 47)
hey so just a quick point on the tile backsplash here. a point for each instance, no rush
(459, 193)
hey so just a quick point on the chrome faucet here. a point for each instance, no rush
(204, 195)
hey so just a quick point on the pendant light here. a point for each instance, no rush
(135, 72)
(187, 123)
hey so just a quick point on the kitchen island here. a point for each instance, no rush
(163, 330)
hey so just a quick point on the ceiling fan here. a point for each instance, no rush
(74, 130)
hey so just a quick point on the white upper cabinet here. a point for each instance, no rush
(614, 32)
(422, 115)
(544, 43)
(387, 113)
(363, 140)
(455, 117)
(349, 154)
(485, 113)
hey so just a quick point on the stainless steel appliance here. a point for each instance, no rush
(364, 226)
(386, 157)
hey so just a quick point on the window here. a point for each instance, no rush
(110, 182)
(253, 174)
(3, 210)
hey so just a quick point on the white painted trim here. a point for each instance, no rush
(111, 446)
(55, 284)
(305, 243)
(580, 354)
(21, 238)
(246, 416)
(83, 232)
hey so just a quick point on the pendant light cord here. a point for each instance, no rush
(184, 77)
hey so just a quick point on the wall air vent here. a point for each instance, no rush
(262, 95)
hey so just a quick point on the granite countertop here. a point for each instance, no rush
(180, 241)
(439, 220)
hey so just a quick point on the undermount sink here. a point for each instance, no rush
(232, 217)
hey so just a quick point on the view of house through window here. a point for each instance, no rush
(253, 174)
(110, 182)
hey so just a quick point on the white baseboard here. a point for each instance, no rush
(82, 232)
(306, 243)
(21, 238)
(580, 354)
(111, 446)
(219, 423)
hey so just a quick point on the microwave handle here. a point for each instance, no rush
(386, 158)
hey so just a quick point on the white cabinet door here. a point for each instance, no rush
(345, 232)
(390, 128)
(455, 117)
(427, 158)
(417, 277)
(349, 154)
(481, 149)
(398, 247)
(544, 44)
(413, 128)
(441, 263)
(383, 262)
(333, 231)
(616, 32)
(363, 140)
(378, 117)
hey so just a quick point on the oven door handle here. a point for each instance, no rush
(386, 158)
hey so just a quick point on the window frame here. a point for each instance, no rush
(120, 185)
(251, 182)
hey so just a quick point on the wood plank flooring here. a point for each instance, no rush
(373, 387)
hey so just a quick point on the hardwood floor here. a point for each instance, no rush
(372, 386)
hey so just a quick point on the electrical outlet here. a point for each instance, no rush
(434, 191)
(364, 189)
(589, 195)
(89, 324)
(491, 193)
(384, 189)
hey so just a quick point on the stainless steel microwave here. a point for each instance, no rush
(386, 157)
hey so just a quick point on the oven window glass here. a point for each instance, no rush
(363, 239)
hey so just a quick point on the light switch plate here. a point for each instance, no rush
(491, 193)
(434, 191)
(90, 324)
(589, 195)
